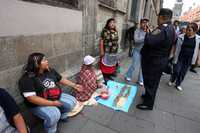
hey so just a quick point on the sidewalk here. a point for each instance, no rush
(174, 112)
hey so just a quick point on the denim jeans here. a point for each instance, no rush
(136, 62)
(180, 69)
(52, 114)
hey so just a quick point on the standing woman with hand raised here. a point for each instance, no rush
(108, 49)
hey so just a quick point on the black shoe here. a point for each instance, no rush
(114, 74)
(144, 107)
(192, 70)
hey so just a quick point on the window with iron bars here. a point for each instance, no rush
(110, 3)
(72, 4)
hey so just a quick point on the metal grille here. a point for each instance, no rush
(110, 3)
(59, 3)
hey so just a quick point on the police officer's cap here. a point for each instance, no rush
(165, 12)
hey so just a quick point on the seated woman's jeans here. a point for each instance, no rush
(52, 114)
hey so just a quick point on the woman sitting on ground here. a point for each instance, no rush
(87, 79)
(39, 87)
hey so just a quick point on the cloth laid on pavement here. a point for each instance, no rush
(76, 110)
(121, 96)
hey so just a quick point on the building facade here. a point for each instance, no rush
(192, 15)
(177, 9)
(64, 31)
(145, 9)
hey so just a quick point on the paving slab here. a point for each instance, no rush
(186, 126)
(92, 127)
(100, 114)
(74, 125)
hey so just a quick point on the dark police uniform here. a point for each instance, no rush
(155, 53)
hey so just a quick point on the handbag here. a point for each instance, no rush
(50, 93)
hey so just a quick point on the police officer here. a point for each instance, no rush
(155, 53)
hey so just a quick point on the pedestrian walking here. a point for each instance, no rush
(177, 27)
(187, 50)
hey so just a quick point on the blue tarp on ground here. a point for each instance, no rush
(114, 90)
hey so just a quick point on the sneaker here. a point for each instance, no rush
(127, 79)
(179, 88)
(141, 83)
(163, 73)
(170, 83)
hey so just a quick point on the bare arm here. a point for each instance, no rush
(19, 123)
(42, 101)
(101, 48)
(71, 84)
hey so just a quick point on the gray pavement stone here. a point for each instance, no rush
(159, 129)
(158, 117)
(165, 105)
(123, 123)
(74, 125)
(187, 111)
(92, 127)
(186, 126)
(100, 114)
(143, 126)
(127, 124)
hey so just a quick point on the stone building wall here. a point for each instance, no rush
(29, 27)
(117, 11)
(144, 9)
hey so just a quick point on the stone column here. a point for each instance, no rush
(89, 8)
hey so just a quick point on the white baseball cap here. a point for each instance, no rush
(88, 60)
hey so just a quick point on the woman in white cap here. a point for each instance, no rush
(88, 79)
